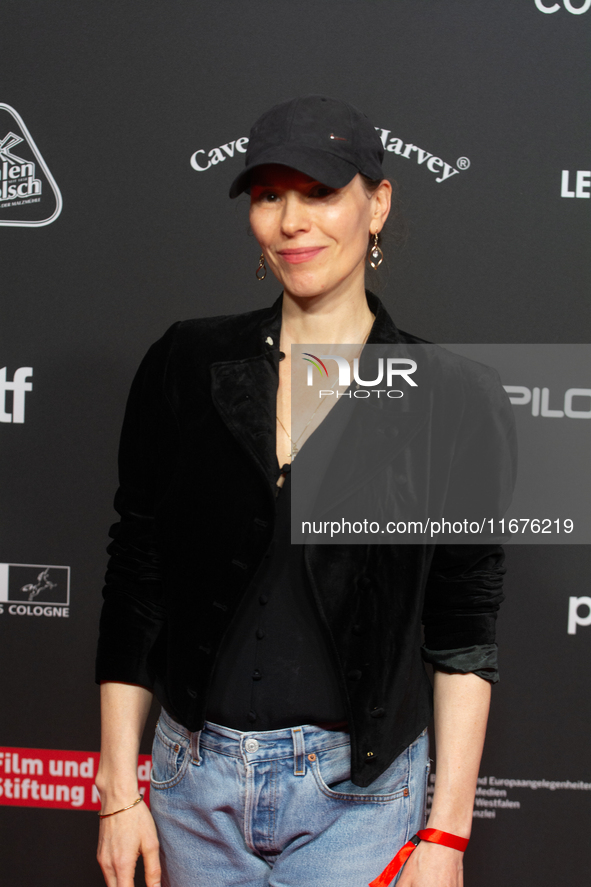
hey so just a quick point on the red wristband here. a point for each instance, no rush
(434, 836)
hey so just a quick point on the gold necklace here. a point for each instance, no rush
(294, 443)
(294, 447)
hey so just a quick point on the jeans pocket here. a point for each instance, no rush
(332, 771)
(170, 759)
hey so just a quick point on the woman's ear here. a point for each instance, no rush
(382, 200)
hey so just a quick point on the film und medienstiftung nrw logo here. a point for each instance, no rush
(34, 590)
(29, 195)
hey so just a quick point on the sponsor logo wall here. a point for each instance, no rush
(393, 145)
(576, 617)
(142, 123)
(568, 5)
(493, 798)
(539, 398)
(32, 590)
(581, 182)
(29, 195)
(58, 779)
(17, 387)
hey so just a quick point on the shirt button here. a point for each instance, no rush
(260, 633)
(256, 675)
(263, 599)
(251, 745)
(251, 717)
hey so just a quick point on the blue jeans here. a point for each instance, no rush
(277, 808)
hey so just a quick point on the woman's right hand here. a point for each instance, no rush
(130, 833)
(122, 839)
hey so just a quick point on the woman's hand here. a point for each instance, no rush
(433, 865)
(131, 833)
(122, 839)
(461, 711)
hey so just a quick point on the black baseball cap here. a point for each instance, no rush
(324, 138)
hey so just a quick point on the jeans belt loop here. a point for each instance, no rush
(195, 739)
(299, 752)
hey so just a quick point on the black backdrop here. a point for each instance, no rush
(118, 98)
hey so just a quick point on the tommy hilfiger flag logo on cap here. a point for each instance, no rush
(327, 139)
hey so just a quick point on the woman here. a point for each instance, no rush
(292, 745)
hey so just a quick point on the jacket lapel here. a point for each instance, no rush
(244, 391)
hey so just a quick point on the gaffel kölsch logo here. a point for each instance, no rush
(34, 590)
(29, 195)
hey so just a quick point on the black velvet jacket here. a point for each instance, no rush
(197, 469)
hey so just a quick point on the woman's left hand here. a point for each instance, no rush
(461, 704)
(433, 865)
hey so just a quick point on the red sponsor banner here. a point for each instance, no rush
(64, 780)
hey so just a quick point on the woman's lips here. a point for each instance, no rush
(304, 254)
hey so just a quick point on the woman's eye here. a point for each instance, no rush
(264, 195)
(321, 191)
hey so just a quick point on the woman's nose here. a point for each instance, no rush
(296, 216)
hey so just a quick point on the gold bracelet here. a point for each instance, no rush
(104, 815)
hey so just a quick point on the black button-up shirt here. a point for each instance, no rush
(274, 667)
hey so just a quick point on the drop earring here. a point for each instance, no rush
(376, 256)
(261, 268)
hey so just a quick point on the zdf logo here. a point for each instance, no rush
(574, 617)
(19, 386)
(568, 5)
